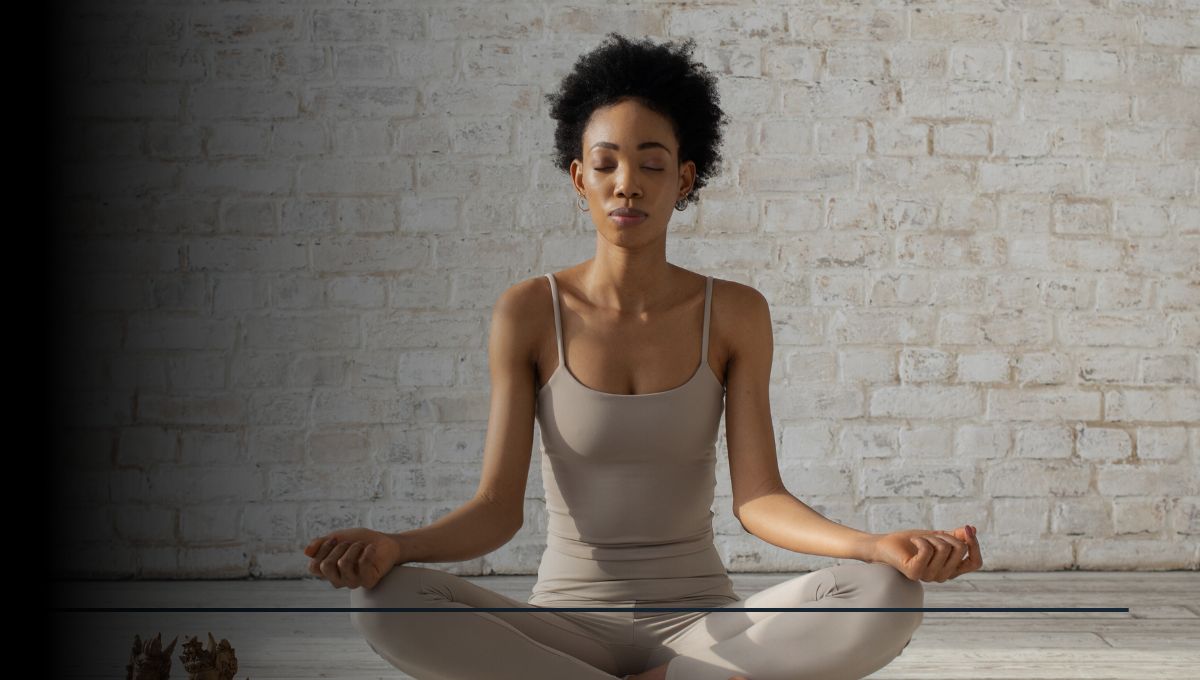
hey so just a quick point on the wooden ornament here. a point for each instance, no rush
(149, 661)
(218, 662)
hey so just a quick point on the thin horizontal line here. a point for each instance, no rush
(584, 609)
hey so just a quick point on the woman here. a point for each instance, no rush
(615, 360)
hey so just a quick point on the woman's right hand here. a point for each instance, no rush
(353, 557)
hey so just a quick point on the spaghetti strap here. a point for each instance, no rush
(562, 356)
(707, 308)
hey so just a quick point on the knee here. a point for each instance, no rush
(902, 590)
(891, 588)
(888, 587)
(400, 587)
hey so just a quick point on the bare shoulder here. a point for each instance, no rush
(744, 315)
(524, 308)
(737, 295)
(529, 296)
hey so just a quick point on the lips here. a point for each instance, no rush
(627, 212)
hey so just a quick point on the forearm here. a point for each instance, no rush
(782, 519)
(474, 529)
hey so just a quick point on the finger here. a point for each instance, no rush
(311, 548)
(323, 551)
(326, 566)
(329, 565)
(318, 556)
(955, 542)
(933, 560)
(335, 556)
(954, 561)
(919, 565)
(937, 554)
(961, 549)
(368, 571)
(971, 562)
(969, 553)
(323, 545)
(975, 559)
(328, 541)
(952, 550)
(348, 564)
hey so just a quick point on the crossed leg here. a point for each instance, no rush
(463, 646)
(801, 645)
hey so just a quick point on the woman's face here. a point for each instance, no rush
(631, 160)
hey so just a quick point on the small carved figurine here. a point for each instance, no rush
(149, 661)
(218, 662)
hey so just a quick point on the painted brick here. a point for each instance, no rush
(283, 230)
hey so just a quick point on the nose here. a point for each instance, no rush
(626, 186)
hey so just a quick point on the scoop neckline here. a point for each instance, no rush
(563, 369)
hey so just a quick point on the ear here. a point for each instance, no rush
(687, 177)
(577, 176)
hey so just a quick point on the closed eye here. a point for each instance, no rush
(643, 167)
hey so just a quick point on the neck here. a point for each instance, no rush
(629, 283)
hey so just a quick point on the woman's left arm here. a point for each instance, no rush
(760, 502)
(781, 519)
(924, 555)
(763, 505)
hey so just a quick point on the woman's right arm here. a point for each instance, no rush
(472, 530)
(496, 512)
(360, 556)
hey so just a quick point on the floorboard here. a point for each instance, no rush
(1158, 638)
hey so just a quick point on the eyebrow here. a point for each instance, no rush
(643, 145)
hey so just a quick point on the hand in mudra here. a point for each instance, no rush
(353, 557)
(924, 555)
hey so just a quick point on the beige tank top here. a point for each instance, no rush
(629, 485)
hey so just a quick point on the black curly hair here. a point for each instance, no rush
(664, 78)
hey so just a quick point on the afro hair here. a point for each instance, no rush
(663, 78)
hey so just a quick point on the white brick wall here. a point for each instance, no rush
(283, 227)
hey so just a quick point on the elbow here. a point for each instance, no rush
(515, 525)
(505, 534)
(741, 506)
(737, 514)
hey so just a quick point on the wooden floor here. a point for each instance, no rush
(1158, 638)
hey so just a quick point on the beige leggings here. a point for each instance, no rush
(707, 645)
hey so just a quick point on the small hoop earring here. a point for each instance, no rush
(582, 203)
(681, 204)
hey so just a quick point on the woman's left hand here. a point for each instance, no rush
(924, 555)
